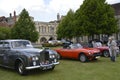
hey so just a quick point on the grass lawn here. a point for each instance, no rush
(102, 69)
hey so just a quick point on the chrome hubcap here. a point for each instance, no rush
(82, 58)
(20, 68)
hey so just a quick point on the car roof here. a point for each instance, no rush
(10, 40)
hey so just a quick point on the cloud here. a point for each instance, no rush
(113, 1)
(10, 5)
(41, 10)
(38, 8)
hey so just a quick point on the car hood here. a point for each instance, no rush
(92, 50)
(35, 51)
(86, 50)
(29, 50)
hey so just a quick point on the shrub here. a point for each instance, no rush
(51, 45)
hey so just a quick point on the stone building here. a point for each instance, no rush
(3, 21)
(47, 30)
(116, 7)
(8, 21)
(12, 19)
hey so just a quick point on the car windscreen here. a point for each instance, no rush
(21, 44)
(74, 46)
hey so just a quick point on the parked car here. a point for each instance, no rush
(97, 44)
(118, 44)
(103, 49)
(54, 42)
(66, 43)
(76, 51)
(20, 55)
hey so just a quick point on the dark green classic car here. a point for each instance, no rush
(21, 55)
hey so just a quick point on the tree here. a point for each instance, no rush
(24, 28)
(96, 17)
(5, 33)
(109, 26)
(79, 22)
(66, 26)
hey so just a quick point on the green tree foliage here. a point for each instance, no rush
(5, 33)
(24, 28)
(66, 26)
(109, 24)
(79, 24)
(96, 17)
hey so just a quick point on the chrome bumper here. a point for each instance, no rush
(41, 66)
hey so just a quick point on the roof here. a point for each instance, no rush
(9, 40)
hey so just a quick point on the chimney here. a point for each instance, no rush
(10, 15)
(14, 16)
(58, 16)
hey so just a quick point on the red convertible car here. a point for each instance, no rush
(75, 51)
(103, 49)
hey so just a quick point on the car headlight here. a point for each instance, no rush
(89, 53)
(52, 56)
(35, 58)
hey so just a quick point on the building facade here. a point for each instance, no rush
(10, 21)
(116, 7)
(47, 31)
(3, 21)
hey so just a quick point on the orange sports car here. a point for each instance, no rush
(76, 51)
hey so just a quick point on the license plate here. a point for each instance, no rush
(97, 57)
(48, 67)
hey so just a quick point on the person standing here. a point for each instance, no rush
(112, 48)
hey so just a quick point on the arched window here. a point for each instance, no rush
(43, 40)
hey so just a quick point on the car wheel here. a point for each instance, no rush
(21, 68)
(82, 58)
(106, 53)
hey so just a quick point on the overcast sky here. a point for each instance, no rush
(42, 10)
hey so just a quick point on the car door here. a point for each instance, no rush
(4, 54)
(71, 53)
(1, 53)
(67, 53)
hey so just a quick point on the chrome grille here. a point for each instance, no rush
(44, 57)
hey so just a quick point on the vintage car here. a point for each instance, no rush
(75, 51)
(98, 45)
(103, 49)
(20, 55)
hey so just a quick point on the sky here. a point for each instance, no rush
(42, 10)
